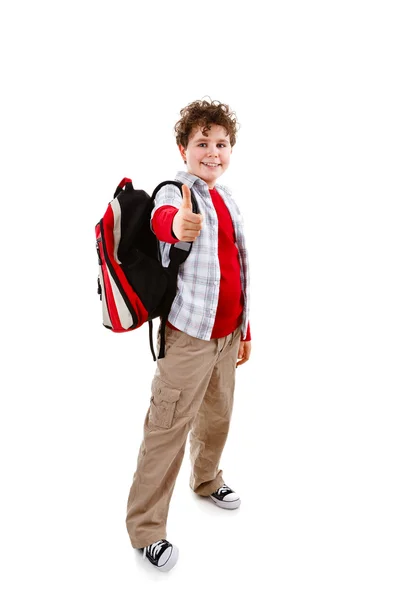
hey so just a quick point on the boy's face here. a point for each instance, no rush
(204, 151)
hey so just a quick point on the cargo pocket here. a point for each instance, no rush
(162, 403)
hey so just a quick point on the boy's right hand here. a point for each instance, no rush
(186, 224)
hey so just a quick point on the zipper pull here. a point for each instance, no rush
(99, 287)
(98, 251)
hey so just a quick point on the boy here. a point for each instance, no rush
(207, 334)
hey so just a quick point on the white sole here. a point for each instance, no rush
(171, 560)
(230, 505)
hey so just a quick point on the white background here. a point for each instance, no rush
(91, 92)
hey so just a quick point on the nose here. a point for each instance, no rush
(213, 152)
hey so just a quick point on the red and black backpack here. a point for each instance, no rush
(133, 285)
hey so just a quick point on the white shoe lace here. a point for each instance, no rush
(153, 548)
(222, 489)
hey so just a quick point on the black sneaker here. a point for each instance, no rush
(225, 497)
(161, 554)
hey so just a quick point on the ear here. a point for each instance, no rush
(182, 151)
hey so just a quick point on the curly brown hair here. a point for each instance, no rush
(204, 113)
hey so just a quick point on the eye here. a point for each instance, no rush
(204, 143)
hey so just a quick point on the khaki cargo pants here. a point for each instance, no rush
(192, 390)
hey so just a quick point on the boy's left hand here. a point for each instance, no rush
(244, 353)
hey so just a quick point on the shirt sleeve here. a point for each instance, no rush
(248, 335)
(161, 223)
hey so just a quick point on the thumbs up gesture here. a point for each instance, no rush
(186, 224)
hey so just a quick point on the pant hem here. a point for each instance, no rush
(150, 540)
(210, 489)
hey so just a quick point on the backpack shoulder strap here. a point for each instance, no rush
(177, 255)
(178, 184)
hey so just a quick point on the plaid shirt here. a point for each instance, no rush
(195, 305)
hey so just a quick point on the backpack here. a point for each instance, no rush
(133, 285)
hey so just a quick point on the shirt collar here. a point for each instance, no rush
(189, 179)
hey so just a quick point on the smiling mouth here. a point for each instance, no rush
(212, 165)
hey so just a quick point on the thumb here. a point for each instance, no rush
(186, 201)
